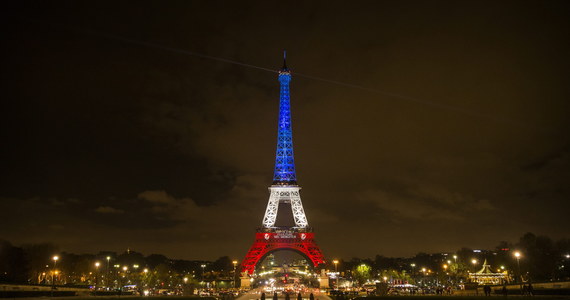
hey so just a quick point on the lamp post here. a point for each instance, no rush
(55, 259)
(97, 264)
(203, 267)
(235, 262)
(518, 257)
(53, 273)
(108, 272)
(125, 269)
(335, 262)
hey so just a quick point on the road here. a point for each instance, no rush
(255, 294)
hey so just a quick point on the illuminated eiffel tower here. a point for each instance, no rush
(270, 238)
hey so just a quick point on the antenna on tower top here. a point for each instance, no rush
(284, 60)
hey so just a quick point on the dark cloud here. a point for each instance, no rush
(110, 144)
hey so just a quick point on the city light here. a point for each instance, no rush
(474, 261)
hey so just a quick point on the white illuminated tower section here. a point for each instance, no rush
(284, 188)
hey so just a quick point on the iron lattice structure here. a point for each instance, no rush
(284, 189)
(284, 161)
(267, 242)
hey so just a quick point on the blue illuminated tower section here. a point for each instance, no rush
(284, 188)
(284, 162)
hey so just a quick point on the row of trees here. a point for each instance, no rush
(541, 258)
(35, 264)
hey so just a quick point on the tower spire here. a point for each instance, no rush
(284, 162)
(284, 61)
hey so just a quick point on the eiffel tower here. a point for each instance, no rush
(270, 238)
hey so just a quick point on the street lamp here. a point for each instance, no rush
(108, 271)
(203, 267)
(518, 257)
(97, 264)
(54, 273)
(235, 262)
(335, 262)
(55, 259)
(125, 269)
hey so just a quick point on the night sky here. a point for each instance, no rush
(448, 127)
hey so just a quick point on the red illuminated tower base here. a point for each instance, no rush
(267, 241)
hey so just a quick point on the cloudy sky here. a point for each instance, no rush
(418, 125)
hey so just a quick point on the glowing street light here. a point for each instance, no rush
(335, 262)
(54, 273)
(235, 262)
(97, 264)
(517, 255)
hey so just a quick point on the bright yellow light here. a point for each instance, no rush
(335, 261)
(385, 278)
(474, 261)
(108, 258)
(185, 279)
(97, 264)
(455, 257)
(413, 265)
(445, 266)
(449, 261)
(145, 270)
(125, 268)
(235, 262)
(424, 270)
(517, 254)
(55, 258)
